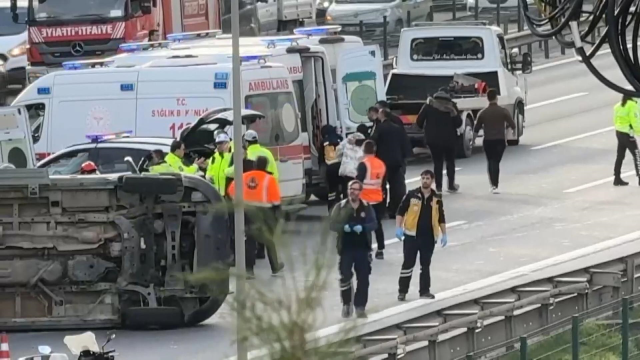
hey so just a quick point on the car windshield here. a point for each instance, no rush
(447, 48)
(73, 9)
(7, 26)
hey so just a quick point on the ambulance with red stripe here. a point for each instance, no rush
(161, 99)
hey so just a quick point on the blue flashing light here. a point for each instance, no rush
(44, 91)
(193, 35)
(288, 40)
(220, 85)
(318, 30)
(254, 57)
(127, 87)
(71, 65)
(223, 76)
(86, 64)
(134, 47)
(94, 138)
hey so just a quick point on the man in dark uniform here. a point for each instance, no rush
(421, 222)
(354, 220)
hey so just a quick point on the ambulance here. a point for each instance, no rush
(162, 98)
(335, 78)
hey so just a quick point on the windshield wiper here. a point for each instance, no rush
(99, 16)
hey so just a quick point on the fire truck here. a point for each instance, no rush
(72, 30)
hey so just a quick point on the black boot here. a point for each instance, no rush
(619, 182)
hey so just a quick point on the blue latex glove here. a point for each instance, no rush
(347, 228)
(357, 228)
(399, 233)
(444, 240)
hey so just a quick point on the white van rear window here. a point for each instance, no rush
(281, 125)
(447, 48)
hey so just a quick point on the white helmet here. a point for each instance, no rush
(251, 135)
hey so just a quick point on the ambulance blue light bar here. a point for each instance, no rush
(143, 46)
(261, 58)
(289, 40)
(193, 35)
(86, 64)
(94, 138)
(318, 30)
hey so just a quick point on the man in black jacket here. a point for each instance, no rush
(440, 119)
(354, 220)
(388, 136)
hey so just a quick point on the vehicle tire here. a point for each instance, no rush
(465, 147)
(519, 119)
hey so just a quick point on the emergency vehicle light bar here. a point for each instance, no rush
(318, 30)
(133, 47)
(94, 138)
(86, 64)
(260, 58)
(193, 35)
(271, 42)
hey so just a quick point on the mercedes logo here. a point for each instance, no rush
(77, 48)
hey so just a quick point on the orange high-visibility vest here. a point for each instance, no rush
(259, 189)
(372, 189)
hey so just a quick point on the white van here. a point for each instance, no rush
(13, 50)
(163, 97)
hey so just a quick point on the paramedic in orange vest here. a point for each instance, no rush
(262, 203)
(371, 173)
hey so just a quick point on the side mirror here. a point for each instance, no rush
(513, 55)
(527, 63)
(111, 334)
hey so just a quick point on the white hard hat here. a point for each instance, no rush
(222, 138)
(251, 135)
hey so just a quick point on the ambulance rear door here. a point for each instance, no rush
(270, 92)
(172, 98)
(16, 146)
(96, 101)
(360, 84)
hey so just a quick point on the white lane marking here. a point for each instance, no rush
(552, 101)
(596, 183)
(418, 177)
(572, 138)
(394, 240)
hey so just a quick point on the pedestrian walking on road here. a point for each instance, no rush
(389, 139)
(420, 222)
(330, 142)
(372, 173)
(351, 154)
(494, 119)
(353, 220)
(440, 120)
(627, 124)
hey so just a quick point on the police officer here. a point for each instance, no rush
(354, 220)
(421, 222)
(219, 162)
(175, 157)
(627, 123)
(330, 142)
(372, 173)
(262, 199)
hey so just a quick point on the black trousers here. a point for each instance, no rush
(333, 181)
(397, 188)
(260, 224)
(411, 247)
(493, 150)
(626, 142)
(440, 154)
(360, 261)
(380, 210)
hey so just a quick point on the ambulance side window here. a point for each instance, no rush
(281, 124)
(36, 114)
(298, 88)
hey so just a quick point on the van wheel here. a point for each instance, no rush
(519, 119)
(465, 146)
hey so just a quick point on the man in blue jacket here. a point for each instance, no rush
(354, 220)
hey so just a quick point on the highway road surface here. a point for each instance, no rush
(557, 196)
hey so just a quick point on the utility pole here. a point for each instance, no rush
(238, 170)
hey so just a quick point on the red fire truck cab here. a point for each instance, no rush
(71, 30)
